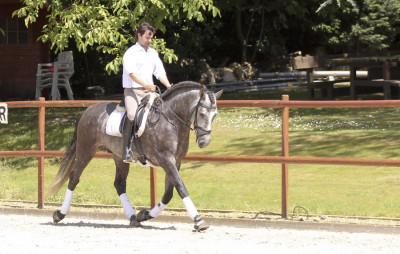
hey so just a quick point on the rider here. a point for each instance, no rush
(140, 63)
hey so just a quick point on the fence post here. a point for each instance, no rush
(285, 153)
(153, 186)
(42, 116)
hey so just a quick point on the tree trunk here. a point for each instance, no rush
(259, 35)
(240, 35)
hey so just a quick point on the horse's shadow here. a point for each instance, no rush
(103, 225)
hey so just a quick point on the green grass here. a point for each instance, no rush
(321, 189)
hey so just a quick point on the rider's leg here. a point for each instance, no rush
(127, 141)
(132, 96)
(131, 103)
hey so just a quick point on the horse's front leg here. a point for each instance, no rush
(173, 179)
(199, 223)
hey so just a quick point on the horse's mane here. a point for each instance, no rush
(181, 85)
(186, 85)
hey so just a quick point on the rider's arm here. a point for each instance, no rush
(165, 81)
(149, 87)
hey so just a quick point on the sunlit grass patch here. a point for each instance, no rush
(342, 190)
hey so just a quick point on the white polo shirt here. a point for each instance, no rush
(143, 63)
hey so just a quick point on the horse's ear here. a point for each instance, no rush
(218, 94)
(202, 93)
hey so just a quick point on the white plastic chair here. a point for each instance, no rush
(56, 75)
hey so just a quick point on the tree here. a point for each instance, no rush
(373, 25)
(378, 26)
(109, 25)
(247, 17)
(259, 30)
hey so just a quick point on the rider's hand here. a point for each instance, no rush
(150, 87)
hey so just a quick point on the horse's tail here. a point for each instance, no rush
(67, 165)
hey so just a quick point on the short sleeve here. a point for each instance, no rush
(129, 62)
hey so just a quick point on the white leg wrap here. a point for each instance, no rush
(157, 209)
(67, 201)
(126, 204)
(190, 207)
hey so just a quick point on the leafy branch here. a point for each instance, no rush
(109, 25)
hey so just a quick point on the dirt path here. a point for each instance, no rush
(37, 234)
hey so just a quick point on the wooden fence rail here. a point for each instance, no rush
(285, 159)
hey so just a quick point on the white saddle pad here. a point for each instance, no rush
(112, 127)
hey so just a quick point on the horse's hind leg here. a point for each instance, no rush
(120, 185)
(81, 161)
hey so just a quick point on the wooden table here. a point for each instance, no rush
(357, 63)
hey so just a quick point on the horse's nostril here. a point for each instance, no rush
(201, 144)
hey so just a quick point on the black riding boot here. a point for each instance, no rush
(127, 141)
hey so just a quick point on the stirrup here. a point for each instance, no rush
(129, 158)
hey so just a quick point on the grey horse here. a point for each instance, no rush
(165, 142)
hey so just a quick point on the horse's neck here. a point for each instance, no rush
(183, 104)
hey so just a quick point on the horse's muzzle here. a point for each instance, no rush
(204, 141)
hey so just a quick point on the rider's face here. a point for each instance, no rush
(145, 39)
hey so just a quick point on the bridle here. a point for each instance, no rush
(200, 131)
(198, 128)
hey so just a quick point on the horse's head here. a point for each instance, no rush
(204, 114)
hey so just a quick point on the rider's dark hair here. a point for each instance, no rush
(143, 27)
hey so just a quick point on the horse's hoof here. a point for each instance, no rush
(58, 216)
(143, 216)
(134, 223)
(200, 224)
